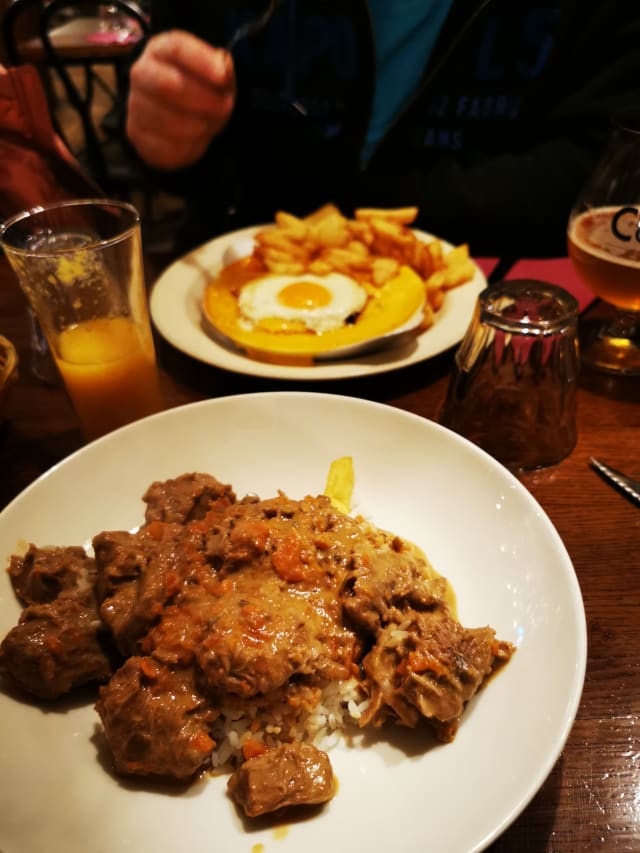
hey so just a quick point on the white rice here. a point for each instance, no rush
(339, 706)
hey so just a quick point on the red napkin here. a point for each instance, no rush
(122, 35)
(558, 271)
(486, 264)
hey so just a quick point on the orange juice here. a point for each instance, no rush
(109, 369)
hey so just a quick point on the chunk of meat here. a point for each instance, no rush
(261, 635)
(429, 666)
(43, 573)
(270, 611)
(155, 720)
(387, 578)
(140, 573)
(57, 646)
(252, 638)
(292, 774)
(187, 498)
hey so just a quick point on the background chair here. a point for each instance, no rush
(67, 43)
(84, 63)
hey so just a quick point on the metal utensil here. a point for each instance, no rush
(253, 26)
(630, 488)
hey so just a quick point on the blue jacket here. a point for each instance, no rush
(513, 110)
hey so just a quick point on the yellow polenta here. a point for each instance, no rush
(387, 308)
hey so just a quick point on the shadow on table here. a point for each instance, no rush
(198, 380)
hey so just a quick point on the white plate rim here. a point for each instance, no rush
(510, 811)
(174, 304)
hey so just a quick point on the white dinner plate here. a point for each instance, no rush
(398, 790)
(175, 305)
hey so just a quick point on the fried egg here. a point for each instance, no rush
(305, 302)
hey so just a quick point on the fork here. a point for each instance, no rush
(250, 28)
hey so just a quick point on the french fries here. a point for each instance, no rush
(370, 248)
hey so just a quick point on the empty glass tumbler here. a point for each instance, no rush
(513, 387)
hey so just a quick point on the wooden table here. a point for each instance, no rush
(591, 799)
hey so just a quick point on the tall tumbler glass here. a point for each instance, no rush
(80, 265)
(513, 387)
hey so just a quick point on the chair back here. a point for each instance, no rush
(61, 60)
(20, 18)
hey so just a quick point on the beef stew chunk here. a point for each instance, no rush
(155, 720)
(255, 629)
(187, 498)
(43, 573)
(57, 646)
(139, 574)
(386, 580)
(428, 665)
(292, 774)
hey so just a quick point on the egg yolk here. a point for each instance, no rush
(304, 294)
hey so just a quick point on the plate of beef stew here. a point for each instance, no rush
(236, 479)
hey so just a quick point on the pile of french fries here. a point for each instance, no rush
(371, 248)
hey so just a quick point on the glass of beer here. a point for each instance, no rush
(603, 238)
(80, 266)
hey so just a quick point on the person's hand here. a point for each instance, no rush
(181, 95)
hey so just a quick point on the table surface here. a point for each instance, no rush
(591, 799)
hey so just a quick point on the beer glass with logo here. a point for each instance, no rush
(604, 245)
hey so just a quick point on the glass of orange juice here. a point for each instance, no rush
(80, 265)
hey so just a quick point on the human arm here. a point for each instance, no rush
(182, 93)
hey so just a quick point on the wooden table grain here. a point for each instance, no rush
(591, 799)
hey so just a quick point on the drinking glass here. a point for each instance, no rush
(513, 386)
(603, 238)
(80, 265)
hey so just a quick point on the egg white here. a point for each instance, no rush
(259, 300)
